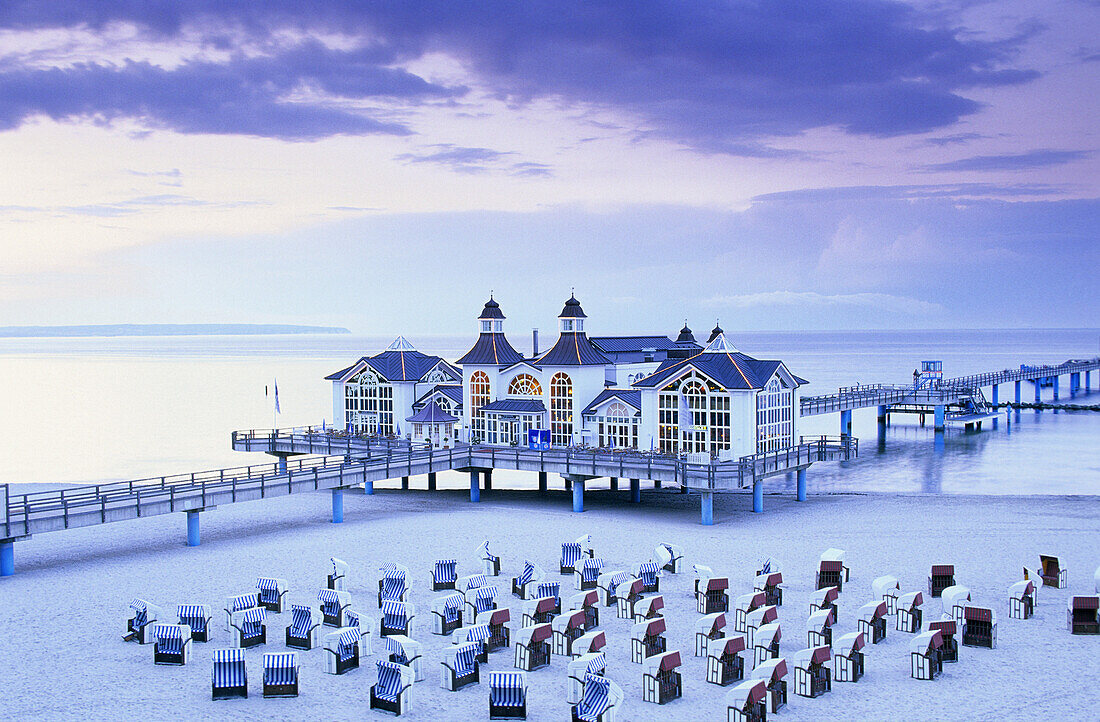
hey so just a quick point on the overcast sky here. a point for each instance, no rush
(384, 165)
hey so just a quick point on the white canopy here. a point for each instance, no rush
(846, 643)
(833, 555)
(819, 620)
(757, 617)
(872, 610)
(751, 691)
(1022, 588)
(766, 635)
(709, 622)
(923, 641)
(888, 583)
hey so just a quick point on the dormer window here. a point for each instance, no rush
(566, 325)
(498, 326)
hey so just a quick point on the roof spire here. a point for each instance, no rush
(719, 344)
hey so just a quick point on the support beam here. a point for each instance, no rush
(337, 506)
(193, 538)
(614, 483)
(758, 496)
(656, 483)
(1038, 391)
(882, 414)
(487, 475)
(706, 504)
(800, 484)
(475, 488)
(280, 464)
(578, 495)
(846, 422)
(1055, 388)
(542, 481)
(7, 557)
(996, 395)
(431, 481)
(635, 491)
(404, 482)
(1087, 374)
(941, 417)
(368, 488)
(1018, 391)
(1074, 384)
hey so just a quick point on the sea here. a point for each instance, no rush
(97, 409)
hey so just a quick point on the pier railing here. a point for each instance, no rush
(1027, 373)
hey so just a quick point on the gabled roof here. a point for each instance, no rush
(626, 344)
(522, 362)
(432, 414)
(399, 362)
(451, 391)
(515, 406)
(491, 349)
(721, 362)
(572, 349)
(630, 397)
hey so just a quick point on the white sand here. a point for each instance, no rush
(64, 612)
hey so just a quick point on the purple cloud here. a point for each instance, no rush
(1011, 161)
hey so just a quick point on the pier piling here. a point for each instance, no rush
(578, 495)
(7, 558)
(800, 484)
(431, 481)
(706, 504)
(941, 417)
(193, 538)
(487, 475)
(758, 496)
(368, 488)
(635, 491)
(1055, 388)
(475, 488)
(846, 422)
(404, 482)
(614, 483)
(337, 506)
(542, 481)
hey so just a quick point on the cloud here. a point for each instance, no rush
(475, 160)
(1011, 161)
(125, 207)
(911, 192)
(778, 300)
(953, 139)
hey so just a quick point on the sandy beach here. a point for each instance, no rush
(64, 611)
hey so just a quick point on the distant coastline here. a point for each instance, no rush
(164, 329)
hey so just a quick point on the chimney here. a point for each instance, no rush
(534, 342)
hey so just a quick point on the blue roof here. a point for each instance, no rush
(630, 397)
(572, 349)
(721, 362)
(432, 414)
(572, 309)
(491, 310)
(516, 406)
(491, 349)
(399, 362)
(451, 391)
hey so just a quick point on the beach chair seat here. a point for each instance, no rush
(925, 659)
(578, 669)
(770, 584)
(669, 556)
(271, 593)
(711, 595)
(470, 582)
(342, 650)
(497, 619)
(871, 620)
(588, 642)
(941, 577)
(725, 662)
(171, 644)
(599, 702)
(812, 675)
(459, 667)
(954, 599)
(447, 613)
(566, 628)
(747, 702)
(490, 562)
(1021, 599)
(365, 625)
(1052, 572)
(478, 600)
(392, 690)
(627, 594)
(197, 618)
(979, 627)
(744, 604)
(539, 610)
(649, 607)
(708, 627)
(1083, 614)
(394, 584)
(281, 674)
(532, 645)
(848, 657)
(476, 633)
(819, 628)
(138, 624)
(249, 629)
(758, 618)
(647, 639)
(230, 678)
(507, 695)
(608, 583)
(333, 604)
(910, 612)
(649, 573)
(338, 577)
(588, 601)
(832, 570)
(304, 630)
(765, 642)
(949, 647)
(407, 652)
(444, 574)
(397, 618)
(587, 572)
(239, 603)
(531, 575)
(661, 682)
(887, 588)
(774, 673)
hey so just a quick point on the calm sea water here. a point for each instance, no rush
(88, 410)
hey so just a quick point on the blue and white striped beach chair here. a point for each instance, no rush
(272, 593)
(532, 574)
(388, 586)
(600, 701)
(304, 630)
(570, 555)
(197, 617)
(648, 573)
(397, 618)
(338, 577)
(404, 651)
(608, 584)
(507, 695)
(391, 692)
(587, 572)
(171, 644)
(470, 582)
(230, 679)
(239, 603)
(480, 600)
(552, 590)
(459, 667)
(444, 574)
(669, 556)
(447, 614)
(281, 675)
(579, 669)
(342, 650)
(137, 625)
(365, 625)
(333, 604)
(479, 634)
(490, 561)
(497, 619)
(249, 627)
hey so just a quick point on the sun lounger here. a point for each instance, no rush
(607, 584)
(281, 674)
(774, 673)
(910, 612)
(661, 681)
(588, 601)
(747, 702)
(497, 620)
(394, 585)
(949, 649)
(588, 642)
(941, 577)
(924, 656)
(459, 667)
(539, 610)
(197, 618)
(649, 607)
(649, 573)
(341, 650)
(708, 627)
(578, 669)
(397, 618)
(953, 599)
(758, 618)
(248, 627)
(1021, 599)
(447, 613)
(391, 691)
(507, 695)
(272, 593)
(887, 589)
(399, 649)
(812, 676)
(832, 571)
(600, 701)
(627, 595)
(532, 646)
(171, 644)
(769, 584)
(239, 603)
(142, 615)
(725, 663)
(712, 596)
(872, 621)
(230, 678)
(819, 628)
(490, 562)
(647, 639)
(531, 575)
(669, 556)
(1052, 572)
(566, 628)
(478, 600)
(444, 574)
(1083, 615)
(333, 604)
(744, 604)
(587, 573)
(979, 627)
(338, 577)
(848, 657)
(304, 630)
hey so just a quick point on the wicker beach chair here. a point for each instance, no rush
(532, 645)
(819, 628)
(171, 644)
(304, 630)
(392, 690)
(910, 612)
(708, 627)
(744, 604)
(747, 702)
(142, 615)
(566, 629)
(711, 595)
(272, 593)
(399, 649)
(338, 577)
(333, 605)
(628, 594)
(588, 601)
(548, 589)
(979, 627)
(593, 641)
(539, 610)
(758, 618)
(496, 619)
(661, 680)
(871, 620)
(281, 674)
(459, 667)
(507, 695)
(647, 639)
(649, 607)
(230, 677)
(1021, 599)
(447, 613)
(669, 556)
(725, 662)
(924, 655)
(949, 647)
(941, 577)
(954, 599)
(1052, 572)
(578, 669)
(444, 574)
(887, 589)
(248, 627)
(774, 673)
(341, 650)
(848, 657)
(812, 676)
(825, 598)
(197, 618)
(1083, 614)
(607, 584)
(832, 572)
(770, 584)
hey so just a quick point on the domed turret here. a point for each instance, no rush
(686, 335)
(715, 332)
(492, 348)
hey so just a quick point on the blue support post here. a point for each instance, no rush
(614, 483)
(1074, 384)
(1087, 381)
(758, 496)
(475, 488)
(193, 528)
(368, 488)
(800, 484)
(635, 491)
(941, 417)
(1038, 391)
(1055, 388)
(7, 558)
(846, 422)
(1018, 391)
(707, 508)
(280, 464)
(996, 394)
(578, 495)
(337, 506)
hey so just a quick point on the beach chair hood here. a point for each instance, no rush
(820, 620)
(911, 600)
(887, 583)
(648, 628)
(747, 693)
(851, 642)
(926, 642)
(767, 635)
(726, 645)
(871, 611)
(762, 616)
(533, 634)
(771, 670)
(661, 663)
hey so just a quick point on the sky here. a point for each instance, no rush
(384, 166)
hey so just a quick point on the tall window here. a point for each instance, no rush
(479, 396)
(774, 404)
(368, 403)
(561, 410)
(708, 429)
(618, 427)
(524, 385)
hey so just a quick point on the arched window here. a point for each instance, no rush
(774, 404)
(368, 403)
(561, 410)
(618, 427)
(479, 396)
(708, 429)
(525, 385)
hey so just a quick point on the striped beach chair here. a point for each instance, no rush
(578, 669)
(819, 628)
(393, 586)
(552, 590)
(539, 610)
(566, 628)
(392, 690)
(669, 556)
(333, 605)
(587, 572)
(365, 625)
(848, 657)
(593, 641)
(747, 702)
(397, 618)
(940, 577)
(725, 664)
(444, 574)
(661, 680)
(949, 651)
(459, 667)
(142, 614)
(887, 588)
(570, 556)
(272, 593)
(600, 701)
(497, 619)
(769, 583)
(342, 650)
(744, 604)
(533, 647)
(774, 674)
(480, 600)
(230, 678)
(171, 644)
(197, 617)
(304, 630)
(649, 608)
(708, 627)
(979, 627)
(407, 652)
(239, 603)
(1083, 614)
(649, 573)
(468, 583)
(507, 695)
(338, 577)
(608, 582)
(812, 676)
(588, 601)
(910, 612)
(647, 639)
(447, 613)
(281, 674)
(832, 571)
(872, 621)
(925, 661)
(490, 561)
(532, 574)
(476, 633)
(249, 628)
